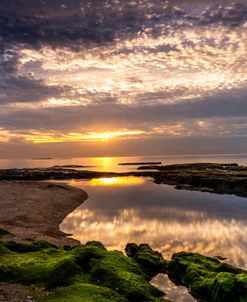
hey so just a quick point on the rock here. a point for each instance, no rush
(87, 273)
(207, 278)
(152, 262)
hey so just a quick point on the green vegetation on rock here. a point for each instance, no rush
(90, 273)
(207, 278)
(84, 273)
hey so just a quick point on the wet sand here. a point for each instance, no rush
(34, 210)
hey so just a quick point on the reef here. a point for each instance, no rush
(205, 177)
(208, 177)
(141, 163)
(90, 273)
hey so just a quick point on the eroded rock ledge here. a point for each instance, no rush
(90, 273)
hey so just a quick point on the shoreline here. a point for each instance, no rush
(34, 210)
(205, 177)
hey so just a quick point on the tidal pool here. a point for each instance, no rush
(133, 209)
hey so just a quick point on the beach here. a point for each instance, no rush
(33, 210)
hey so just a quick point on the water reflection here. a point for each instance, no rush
(173, 292)
(130, 209)
(168, 219)
(117, 181)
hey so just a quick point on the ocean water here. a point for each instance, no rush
(134, 209)
(111, 163)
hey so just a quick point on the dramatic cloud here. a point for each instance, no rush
(91, 70)
(70, 23)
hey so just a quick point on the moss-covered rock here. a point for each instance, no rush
(152, 262)
(90, 273)
(4, 233)
(84, 273)
(208, 278)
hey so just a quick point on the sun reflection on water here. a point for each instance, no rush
(117, 181)
(133, 209)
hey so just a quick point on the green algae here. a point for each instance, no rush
(207, 278)
(90, 273)
(84, 273)
(152, 262)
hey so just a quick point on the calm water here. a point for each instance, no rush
(131, 209)
(111, 163)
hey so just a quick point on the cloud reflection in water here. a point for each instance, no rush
(168, 219)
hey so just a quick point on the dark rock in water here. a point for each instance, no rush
(216, 178)
(42, 158)
(141, 163)
(69, 166)
(207, 278)
(205, 177)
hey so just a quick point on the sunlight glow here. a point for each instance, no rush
(59, 137)
(117, 181)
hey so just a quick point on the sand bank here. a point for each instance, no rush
(34, 210)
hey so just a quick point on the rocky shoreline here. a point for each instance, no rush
(206, 177)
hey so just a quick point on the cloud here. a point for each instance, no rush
(173, 68)
(81, 23)
(23, 88)
(107, 115)
(233, 14)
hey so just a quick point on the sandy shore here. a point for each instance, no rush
(34, 210)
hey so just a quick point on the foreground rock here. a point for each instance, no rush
(207, 278)
(34, 210)
(90, 273)
(86, 273)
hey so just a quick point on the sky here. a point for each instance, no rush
(119, 78)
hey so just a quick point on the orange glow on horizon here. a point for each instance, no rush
(59, 137)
